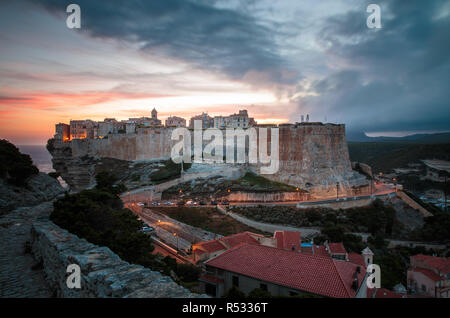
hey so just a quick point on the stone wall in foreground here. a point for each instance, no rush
(103, 273)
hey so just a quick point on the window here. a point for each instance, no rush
(292, 294)
(424, 288)
(236, 281)
(263, 287)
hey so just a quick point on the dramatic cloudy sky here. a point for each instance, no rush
(278, 59)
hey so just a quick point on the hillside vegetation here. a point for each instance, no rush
(15, 167)
(98, 215)
(385, 156)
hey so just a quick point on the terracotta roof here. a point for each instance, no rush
(209, 246)
(337, 248)
(428, 273)
(317, 275)
(226, 242)
(383, 293)
(440, 263)
(288, 239)
(316, 250)
(236, 239)
(357, 259)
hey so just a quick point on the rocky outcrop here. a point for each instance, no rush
(79, 171)
(313, 157)
(103, 273)
(39, 188)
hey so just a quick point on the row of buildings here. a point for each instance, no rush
(89, 129)
(283, 265)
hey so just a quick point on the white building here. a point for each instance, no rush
(239, 120)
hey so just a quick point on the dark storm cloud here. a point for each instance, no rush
(395, 78)
(218, 39)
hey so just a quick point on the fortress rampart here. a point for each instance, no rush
(313, 156)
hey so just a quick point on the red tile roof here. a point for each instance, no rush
(288, 239)
(440, 263)
(357, 259)
(337, 248)
(236, 239)
(226, 242)
(428, 273)
(209, 246)
(309, 273)
(316, 250)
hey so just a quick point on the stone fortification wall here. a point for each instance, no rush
(103, 273)
(313, 156)
(265, 196)
(150, 144)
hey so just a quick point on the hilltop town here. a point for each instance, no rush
(89, 129)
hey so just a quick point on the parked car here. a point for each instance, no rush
(213, 203)
(203, 203)
(140, 204)
(147, 229)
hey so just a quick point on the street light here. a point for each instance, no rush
(337, 191)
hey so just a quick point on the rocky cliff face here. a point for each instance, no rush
(79, 168)
(315, 157)
(312, 156)
(39, 188)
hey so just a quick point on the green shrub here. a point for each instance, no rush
(188, 272)
(170, 171)
(15, 167)
(99, 217)
(106, 181)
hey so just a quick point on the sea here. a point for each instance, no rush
(41, 159)
(40, 156)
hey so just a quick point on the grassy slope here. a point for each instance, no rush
(206, 218)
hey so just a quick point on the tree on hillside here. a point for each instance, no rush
(15, 167)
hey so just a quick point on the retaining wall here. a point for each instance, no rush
(103, 273)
